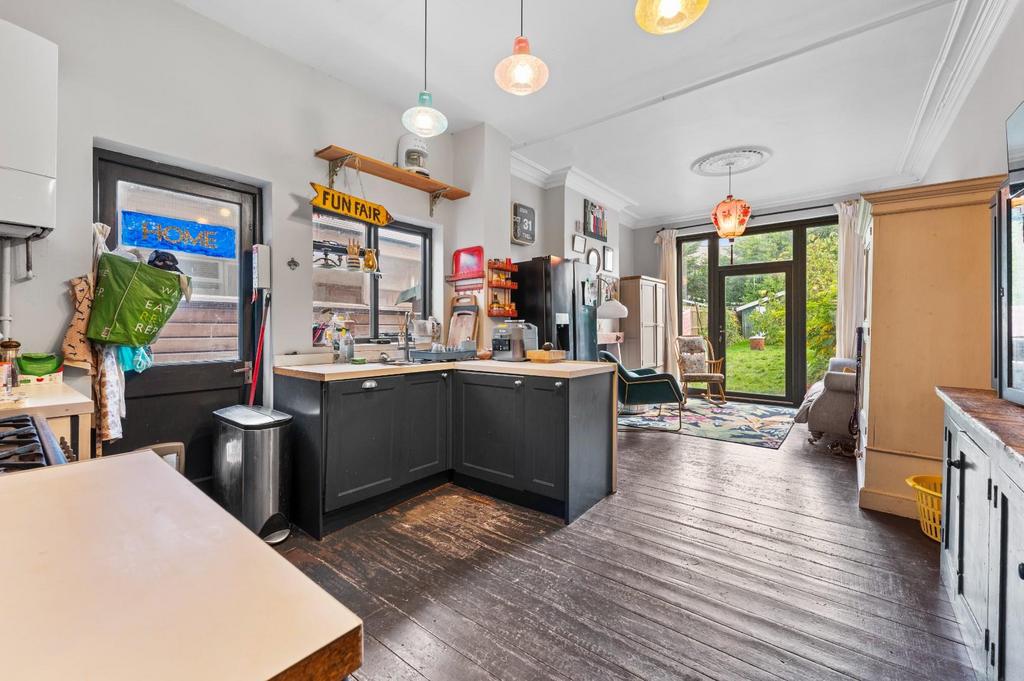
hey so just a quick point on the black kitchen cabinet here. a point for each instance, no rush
(363, 455)
(489, 428)
(542, 457)
(425, 425)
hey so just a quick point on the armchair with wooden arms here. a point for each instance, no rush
(697, 364)
(646, 387)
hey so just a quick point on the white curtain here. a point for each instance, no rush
(669, 272)
(854, 236)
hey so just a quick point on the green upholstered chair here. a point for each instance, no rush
(646, 386)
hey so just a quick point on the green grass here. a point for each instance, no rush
(756, 371)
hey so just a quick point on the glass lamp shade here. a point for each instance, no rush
(612, 309)
(668, 16)
(521, 73)
(424, 120)
(730, 217)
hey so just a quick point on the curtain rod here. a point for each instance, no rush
(755, 216)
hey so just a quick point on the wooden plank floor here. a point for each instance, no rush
(714, 561)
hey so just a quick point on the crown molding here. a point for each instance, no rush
(791, 203)
(573, 178)
(529, 171)
(969, 41)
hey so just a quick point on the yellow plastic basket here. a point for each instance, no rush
(929, 503)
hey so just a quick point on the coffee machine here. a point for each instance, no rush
(512, 339)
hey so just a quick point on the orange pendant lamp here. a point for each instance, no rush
(521, 73)
(667, 16)
(731, 216)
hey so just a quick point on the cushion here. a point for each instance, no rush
(805, 408)
(693, 363)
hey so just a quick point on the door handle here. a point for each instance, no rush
(369, 385)
(558, 384)
(444, 374)
(517, 383)
(956, 463)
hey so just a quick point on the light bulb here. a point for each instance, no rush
(521, 73)
(669, 8)
(668, 16)
(424, 120)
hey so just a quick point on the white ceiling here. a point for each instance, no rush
(833, 87)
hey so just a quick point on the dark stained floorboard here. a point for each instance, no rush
(714, 561)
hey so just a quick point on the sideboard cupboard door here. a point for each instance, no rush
(543, 456)
(489, 426)
(424, 425)
(1009, 618)
(362, 453)
(974, 533)
(951, 496)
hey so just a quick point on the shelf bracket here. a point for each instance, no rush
(333, 167)
(435, 197)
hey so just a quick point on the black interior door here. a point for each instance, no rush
(209, 224)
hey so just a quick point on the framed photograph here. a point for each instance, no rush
(579, 243)
(524, 224)
(609, 259)
(595, 222)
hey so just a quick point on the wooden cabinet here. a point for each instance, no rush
(982, 548)
(644, 328)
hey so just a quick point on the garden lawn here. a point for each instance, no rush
(756, 371)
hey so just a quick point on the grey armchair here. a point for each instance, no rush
(831, 403)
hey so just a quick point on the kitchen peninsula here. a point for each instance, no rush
(367, 436)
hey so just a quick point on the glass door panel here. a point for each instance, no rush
(693, 294)
(756, 317)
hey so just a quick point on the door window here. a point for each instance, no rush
(202, 234)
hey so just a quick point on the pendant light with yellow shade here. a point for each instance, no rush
(521, 73)
(668, 16)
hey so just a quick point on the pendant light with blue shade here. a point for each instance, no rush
(423, 119)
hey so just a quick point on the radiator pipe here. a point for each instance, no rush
(6, 277)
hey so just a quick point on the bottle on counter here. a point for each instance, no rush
(9, 350)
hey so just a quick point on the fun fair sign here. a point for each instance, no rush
(351, 206)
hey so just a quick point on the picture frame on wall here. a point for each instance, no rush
(595, 221)
(524, 224)
(594, 259)
(609, 259)
(579, 243)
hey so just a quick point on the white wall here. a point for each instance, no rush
(976, 143)
(154, 76)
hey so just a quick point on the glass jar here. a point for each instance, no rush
(9, 351)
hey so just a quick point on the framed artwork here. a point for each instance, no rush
(594, 259)
(609, 259)
(524, 224)
(595, 222)
(579, 243)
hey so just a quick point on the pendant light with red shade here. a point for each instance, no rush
(521, 73)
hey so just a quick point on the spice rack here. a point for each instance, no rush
(500, 283)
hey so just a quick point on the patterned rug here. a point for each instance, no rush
(746, 424)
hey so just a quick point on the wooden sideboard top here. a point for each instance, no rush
(1005, 420)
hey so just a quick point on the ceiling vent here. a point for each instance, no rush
(740, 160)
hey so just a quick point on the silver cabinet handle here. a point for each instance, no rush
(444, 374)
(369, 385)
(517, 383)
(558, 384)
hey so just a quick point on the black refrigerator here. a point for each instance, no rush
(558, 296)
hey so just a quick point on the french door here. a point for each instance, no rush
(209, 225)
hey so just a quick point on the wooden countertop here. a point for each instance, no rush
(119, 568)
(1002, 419)
(341, 372)
(51, 400)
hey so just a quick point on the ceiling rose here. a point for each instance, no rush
(737, 160)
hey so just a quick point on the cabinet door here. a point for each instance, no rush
(543, 457)
(951, 508)
(648, 324)
(1009, 653)
(488, 426)
(424, 425)
(974, 520)
(361, 458)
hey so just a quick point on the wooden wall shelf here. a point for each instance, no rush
(339, 157)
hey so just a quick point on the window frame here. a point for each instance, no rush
(371, 235)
